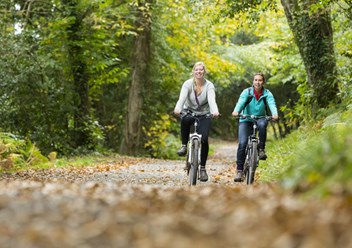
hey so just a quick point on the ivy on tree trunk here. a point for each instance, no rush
(314, 37)
(80, 75)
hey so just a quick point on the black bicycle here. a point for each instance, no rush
(252, 151)
(194, 148)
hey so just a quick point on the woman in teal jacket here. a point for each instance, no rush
(258, 99)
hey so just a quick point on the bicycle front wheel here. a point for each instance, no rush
(253, 159)
(193, 175)
(246, 162)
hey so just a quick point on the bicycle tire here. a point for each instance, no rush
(246, 162)
(188, 165)
(193, 175)
(253, 159)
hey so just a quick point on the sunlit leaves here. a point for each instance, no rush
(194, 30)
(16, 152)
(160, 142)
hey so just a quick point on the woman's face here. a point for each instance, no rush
(198, 72)
(258, 82)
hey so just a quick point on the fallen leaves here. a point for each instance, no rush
(148, 203)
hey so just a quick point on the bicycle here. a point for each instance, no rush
(252, 151)
(194, 148)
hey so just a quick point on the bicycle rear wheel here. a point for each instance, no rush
(193, 174)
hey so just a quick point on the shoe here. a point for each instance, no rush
(262, 155)
(203, 175)
(239, 176)
(182, 151)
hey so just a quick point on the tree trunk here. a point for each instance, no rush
(141, 51)
(314, 38)
(80, 76)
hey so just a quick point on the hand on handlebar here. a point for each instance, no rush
(275, 117)
(177, 113)
(235, 114)
(216, 115)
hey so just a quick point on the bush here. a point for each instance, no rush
(315, 160)
(161, 142)
(18, 153)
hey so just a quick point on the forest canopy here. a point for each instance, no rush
(81, 76)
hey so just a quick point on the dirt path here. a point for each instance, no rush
(169, 174)
(146, 203)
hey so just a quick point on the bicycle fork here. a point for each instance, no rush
(191, 149)
(254, 147)
(190, 158)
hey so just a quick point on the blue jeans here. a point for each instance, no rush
(244, 130)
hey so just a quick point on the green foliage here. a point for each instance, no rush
(161, 143)
(190, 37)
(18, 153)
(317, 160)
(243, 38)
(279, 152)
(252, 9)
(38, 94)
(342, 22)
(39, 99)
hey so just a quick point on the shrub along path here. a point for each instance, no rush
(130, 202)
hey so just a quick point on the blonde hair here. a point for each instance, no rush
(202, 64)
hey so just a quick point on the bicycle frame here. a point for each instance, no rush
(252, 150)
(194, 149)
(252, 159)
(194, 152)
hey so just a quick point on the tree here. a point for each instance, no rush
(140, 58)
(314, 37)
(57, 56)
(79, 71)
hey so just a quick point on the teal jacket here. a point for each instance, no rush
(255, 107)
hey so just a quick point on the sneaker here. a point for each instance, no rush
(203, 175)
(262, 155)
(182, 151)
(239, 176)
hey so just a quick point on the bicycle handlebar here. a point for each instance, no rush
(254, 117)
(188, 112)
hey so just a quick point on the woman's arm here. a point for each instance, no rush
(241, 101)
(212, 101)
(182, 98)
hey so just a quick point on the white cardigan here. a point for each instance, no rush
(206, 99)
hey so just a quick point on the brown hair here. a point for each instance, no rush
(260, 74)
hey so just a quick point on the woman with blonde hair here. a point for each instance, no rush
(198, 96)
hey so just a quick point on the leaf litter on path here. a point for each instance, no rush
(147, 203)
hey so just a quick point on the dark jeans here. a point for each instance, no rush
(203, 128)
(244, 130)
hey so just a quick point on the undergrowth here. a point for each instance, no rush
(16, 153)
(314, 159)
